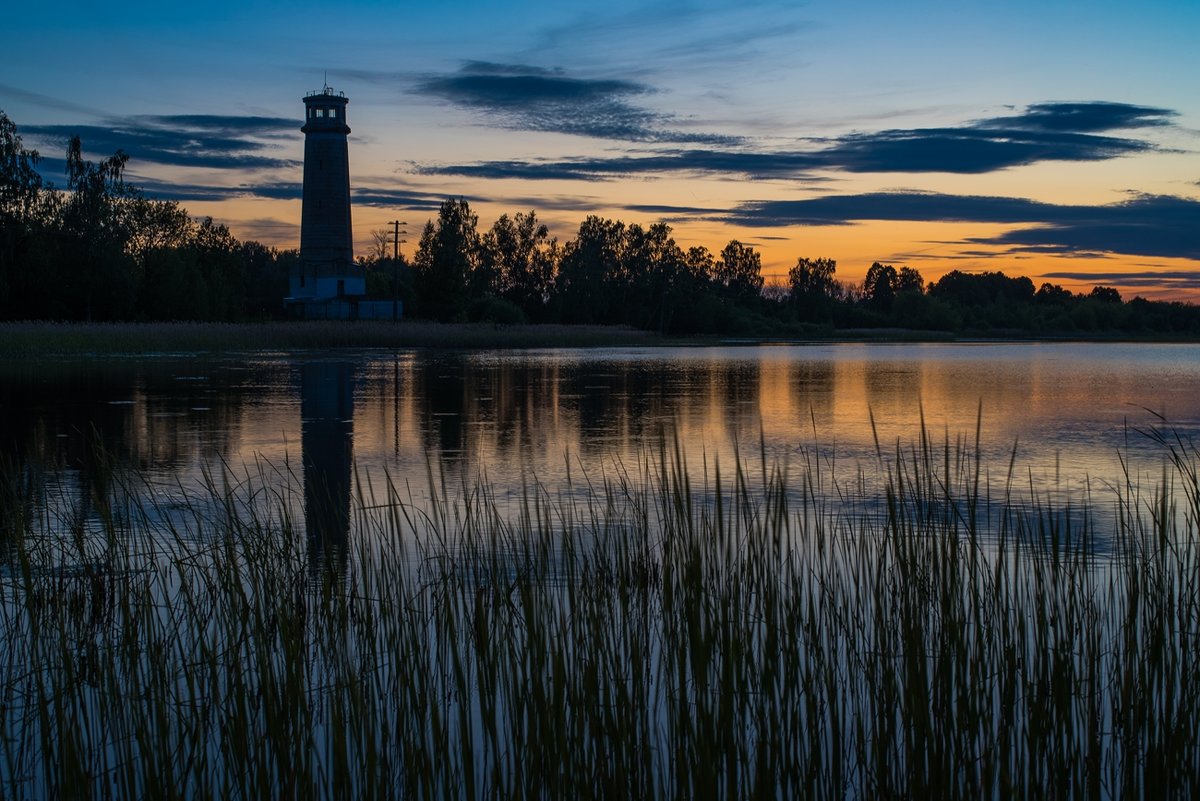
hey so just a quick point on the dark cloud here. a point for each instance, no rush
(1147, 225)
(679, 211)
(402, 199)
(1042, 132)
(187, 140)
(1152, 279)
(288, 190)
(1091, 117)
(897, 206)
(746, 164)
(526, 98)
(1161, 227)
(970, 151)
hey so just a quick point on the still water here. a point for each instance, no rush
(1058, 417)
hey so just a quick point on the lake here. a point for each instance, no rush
(869, 625)
(1065, 416)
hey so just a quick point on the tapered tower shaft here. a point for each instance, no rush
(326, 236)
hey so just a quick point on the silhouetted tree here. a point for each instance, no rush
(381, 246)
(102, 282)
(879, 287)
(1105, 294)
(153, 225)
(20, 182)
(812, 277)
(652, 266)
(21, 198)
(738, 272)
(522, 260)
(909, 280)
(445, 261)
(812, 287)
(981, 289)
(587, 276)
(266, 275)
(1049, 293)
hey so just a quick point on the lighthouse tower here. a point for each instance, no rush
(327, 282)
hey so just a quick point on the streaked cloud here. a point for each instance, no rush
(187, 140)
(1042, 132)
(1147, 225)
(527, 98)
(739, 163)
(399, 197)
(268, 229)
(404, 199)
(7, 91)
(1076, 131)
(1089, 117)
(714, 35)
(1149, 279)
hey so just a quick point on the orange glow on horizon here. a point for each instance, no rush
(933, 248)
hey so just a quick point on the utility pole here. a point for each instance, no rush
(395, 267)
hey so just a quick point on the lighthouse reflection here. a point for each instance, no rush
(327, 444)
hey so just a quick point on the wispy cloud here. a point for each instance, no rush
(680, 161)
(8, 91)
(714, 35)
(188, 140)
(1042, 132)
(1147, 225)
(400, 198)
(527, 98)
(268, 229)
(1150, 279)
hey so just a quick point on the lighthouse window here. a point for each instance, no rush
(333, 112)
(320, 112)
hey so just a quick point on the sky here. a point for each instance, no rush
(1055, 139)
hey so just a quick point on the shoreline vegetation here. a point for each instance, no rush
(30, 340)
(102, 250)
(648, 634)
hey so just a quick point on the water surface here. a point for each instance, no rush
(1065, 416)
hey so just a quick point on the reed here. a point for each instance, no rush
(659, 632)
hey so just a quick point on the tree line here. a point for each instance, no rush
(101, 250)
(612, 272)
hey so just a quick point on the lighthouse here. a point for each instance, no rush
(326, 283)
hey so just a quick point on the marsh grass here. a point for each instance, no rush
(26, 340)
(737, 632)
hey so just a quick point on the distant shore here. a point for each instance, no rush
(31, 340)
(24, 340)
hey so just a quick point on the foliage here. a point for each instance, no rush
(446, 262)
(102, 250)
(519, 259)
(738, 272)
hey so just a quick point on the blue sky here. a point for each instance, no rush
(1055, 140)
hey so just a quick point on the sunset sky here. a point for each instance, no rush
(1056, 140)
